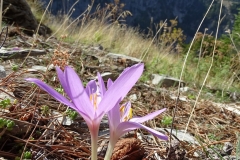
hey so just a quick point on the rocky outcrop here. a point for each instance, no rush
(19, 13)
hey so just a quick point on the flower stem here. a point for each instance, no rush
(94, 138)
(110, 148)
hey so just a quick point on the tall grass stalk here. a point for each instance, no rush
(190, 47)
(182, 71)
(1, 6)
(212, 60)
(234, 45)
(238, 147)
(68, 15)
(143, 55)
(200, 53)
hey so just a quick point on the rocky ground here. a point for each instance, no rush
(44, 129)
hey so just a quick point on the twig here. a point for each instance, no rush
(5, 35)
(213, 143)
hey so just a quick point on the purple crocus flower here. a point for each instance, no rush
(121, 121)
(89, 102)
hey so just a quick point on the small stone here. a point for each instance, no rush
(64, 120)
(108, 75)
(133, 97)
(184, 89)
(180, 134)
(166, 81)
(98, 47)
(180, 98)
(51, 67)
(124, 59)
(227, 148)
(209, 94)
(234, 96)
(2, 72)
(40, 68)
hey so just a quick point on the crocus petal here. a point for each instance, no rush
(126, 69)
(101, 85)
(114, 116)
(120, 88)
(77, 93)
(147, 117)
(128, 126)
(51, 91)
(109, 83)
(127, 107)
(62, 80)
(91, 87)
(58, 97)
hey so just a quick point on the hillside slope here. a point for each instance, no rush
(188, 12)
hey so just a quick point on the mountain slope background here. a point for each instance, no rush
(145, 14)
(165, 52)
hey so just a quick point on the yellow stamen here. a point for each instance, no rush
(129, 116)
(122, 110)
(130, 113)
(93, 99)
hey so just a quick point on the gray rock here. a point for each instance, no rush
(181, 135)
(166, 81)
(40, 68)
(227, 148)
(2, 72)
(19, 13)
(235, 96)
(182, 98)
(13, 53)
(230, 158)
(98, 47)
(184, 89)
(120, 57)
(108, 75)
(63, 119)
(6, 96)
(209, 94)
(51, 67)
